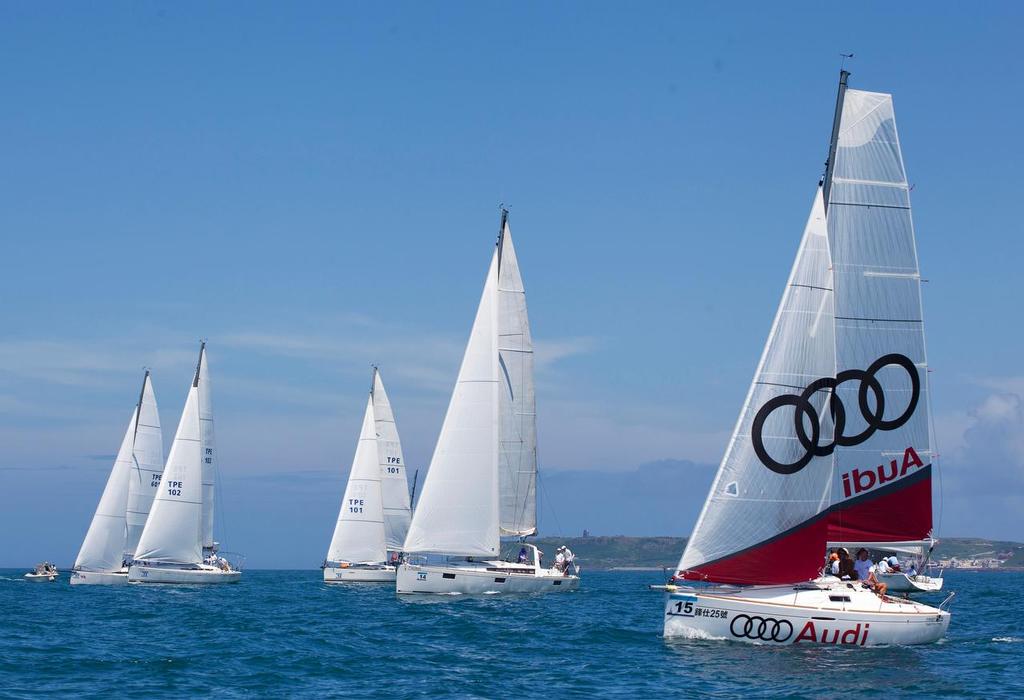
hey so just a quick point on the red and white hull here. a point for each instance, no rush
(823, 612)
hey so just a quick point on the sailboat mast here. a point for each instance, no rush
(138, 406)
(501, 232)
(202, 346)
(834, 142)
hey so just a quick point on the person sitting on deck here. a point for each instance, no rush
(863, 565)
(522, 555)
(832, 564)
(894, 564)
(883, 566)
(847, 571)
(560, 559)
(874, 584)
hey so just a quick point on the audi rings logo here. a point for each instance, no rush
(765, 629)
(805, 415)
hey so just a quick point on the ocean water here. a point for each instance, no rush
(286, 634)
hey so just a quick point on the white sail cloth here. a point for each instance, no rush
(173, 532)
(103, 547)
(209, 448)
(482, 479)
(148, 466)
(394, 482)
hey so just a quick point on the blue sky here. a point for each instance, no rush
(316, 188)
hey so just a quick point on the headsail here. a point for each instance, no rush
(394, 482)
(359, 533)
(147, 466)
(458, 511)
(832, 441)
(103, 547)
(173, 532)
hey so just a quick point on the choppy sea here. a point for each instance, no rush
(286, 634)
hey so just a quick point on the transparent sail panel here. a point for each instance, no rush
(517, 458)
(879, 324)
(777, 473)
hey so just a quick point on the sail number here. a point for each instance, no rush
(174, 488)
(394, 470)
(154, 480)
(355, 505)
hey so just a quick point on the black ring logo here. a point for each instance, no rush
(803, 407)
(765, 629)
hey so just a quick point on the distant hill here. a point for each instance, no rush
(663, 552)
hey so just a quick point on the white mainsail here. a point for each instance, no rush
(173, 532)
(394, 482)
(838, 405)
(103, 547)
(209, 448)
(359, 534)
(147, 466)
(482, 478)
(517, 414)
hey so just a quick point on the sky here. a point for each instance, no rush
(315, 188)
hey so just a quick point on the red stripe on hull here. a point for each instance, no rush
(901, 511)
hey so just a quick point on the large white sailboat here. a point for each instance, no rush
(375, 513)
(482, 481)
(177, 545)
(834, 441)
(113, 534)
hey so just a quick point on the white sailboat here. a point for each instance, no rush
(833, 443)
(176, 545)
(375, 513)
(481, 485)
(113, 534)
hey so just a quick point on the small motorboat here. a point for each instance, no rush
(899, 582)
(44, 572)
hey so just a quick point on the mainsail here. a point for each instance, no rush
(209, 447)
(482, 478)
(147, 466)
(833, 439)
(394, 484)
(359, 533)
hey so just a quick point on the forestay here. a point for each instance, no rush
(833, 439)
(394, 482)
(359, 533)
(147, 466)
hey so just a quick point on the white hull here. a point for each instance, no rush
(206, 574)
(359, 574)
(483, 578)
(823, 612)
(99, 578)
(901, 583)
(41, 578)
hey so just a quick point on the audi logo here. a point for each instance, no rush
(765, 629)
(804, 408)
